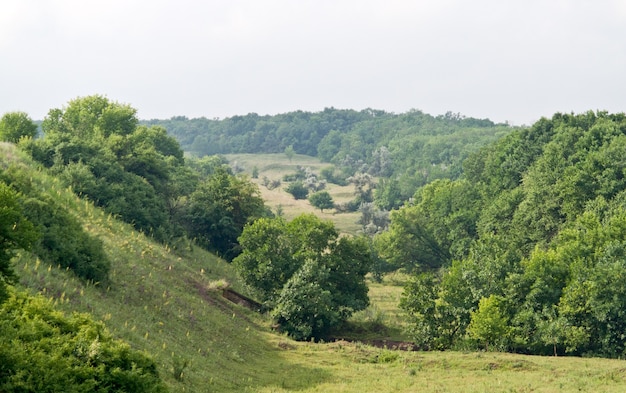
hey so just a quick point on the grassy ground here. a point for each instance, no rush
(168, 303)
(275, 166)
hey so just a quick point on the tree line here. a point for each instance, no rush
(408, 150)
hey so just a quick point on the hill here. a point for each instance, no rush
(170, 304)
(411, 149)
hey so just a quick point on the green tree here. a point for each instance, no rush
(322, 200)
(304, 272)
(488, 323)
(15, 125)
(218, 210)
(290, 152)
(297, 189)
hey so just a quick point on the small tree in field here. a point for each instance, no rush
(298, 190)
(322, 200)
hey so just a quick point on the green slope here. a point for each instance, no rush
(169, 304)
(166, 302)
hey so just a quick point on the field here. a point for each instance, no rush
(169, 303)
(275, 166)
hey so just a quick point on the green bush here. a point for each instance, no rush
(43, 350)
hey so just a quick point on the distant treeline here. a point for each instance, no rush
(411, 148)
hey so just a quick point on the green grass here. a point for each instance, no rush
(168, 303)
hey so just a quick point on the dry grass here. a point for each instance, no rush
(275, 166)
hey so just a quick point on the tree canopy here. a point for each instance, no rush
(311, 278)
(531, 237)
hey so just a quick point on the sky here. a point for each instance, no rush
(507, 60)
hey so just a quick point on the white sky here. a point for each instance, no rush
(507, 60)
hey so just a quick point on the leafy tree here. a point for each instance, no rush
(289, 152)
(322, 200)
(298, 190)
(16, 232)
(488, 323)
(218, 210)
(15, 125)
(304, 272)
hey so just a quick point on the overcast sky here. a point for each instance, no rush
(512, 61)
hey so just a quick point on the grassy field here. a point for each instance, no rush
(275, 166)
(168, 303)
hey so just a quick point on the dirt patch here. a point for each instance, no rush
(242, 300)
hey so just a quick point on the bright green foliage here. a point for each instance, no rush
(218, 210)
(488, 323)
(16, 125)
(322, 200)
(42, 350)
(297, 189)
(310, 277)
(15, 232)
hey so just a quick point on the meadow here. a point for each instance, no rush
(168, 302)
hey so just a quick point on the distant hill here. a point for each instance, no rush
(411, 148)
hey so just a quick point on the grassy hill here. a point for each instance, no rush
(168, 303)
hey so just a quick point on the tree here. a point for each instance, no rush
(488, 323)
(322, 200)
(218, 210)
(15, 125)
(15, 232)
(297, 189)
(289, 152)
(304, 272)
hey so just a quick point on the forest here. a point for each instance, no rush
(513, 237)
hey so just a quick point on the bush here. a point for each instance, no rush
(298, 190)
(42, 350)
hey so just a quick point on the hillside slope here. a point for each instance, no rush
(164, 302)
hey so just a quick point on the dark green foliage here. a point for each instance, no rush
(413, 148)
(61, 238)
(218, 210)
(42, 350)
(16, 232)
(64, 242)
(311, 279)
(540, 227)
(98, 148)
(298, 190)
(322, 200)
(16, 125)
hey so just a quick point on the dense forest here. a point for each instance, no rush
(408, 150)
(525, 252)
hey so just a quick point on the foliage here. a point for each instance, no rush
(528, 248)
(412, 148)
(43, 350)
(322, 200)
(297, 189)
(16, 125)
(98, 148)
(311, 278)
(488, 323)
(16, 232)
(61, 238)
(218, 210)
